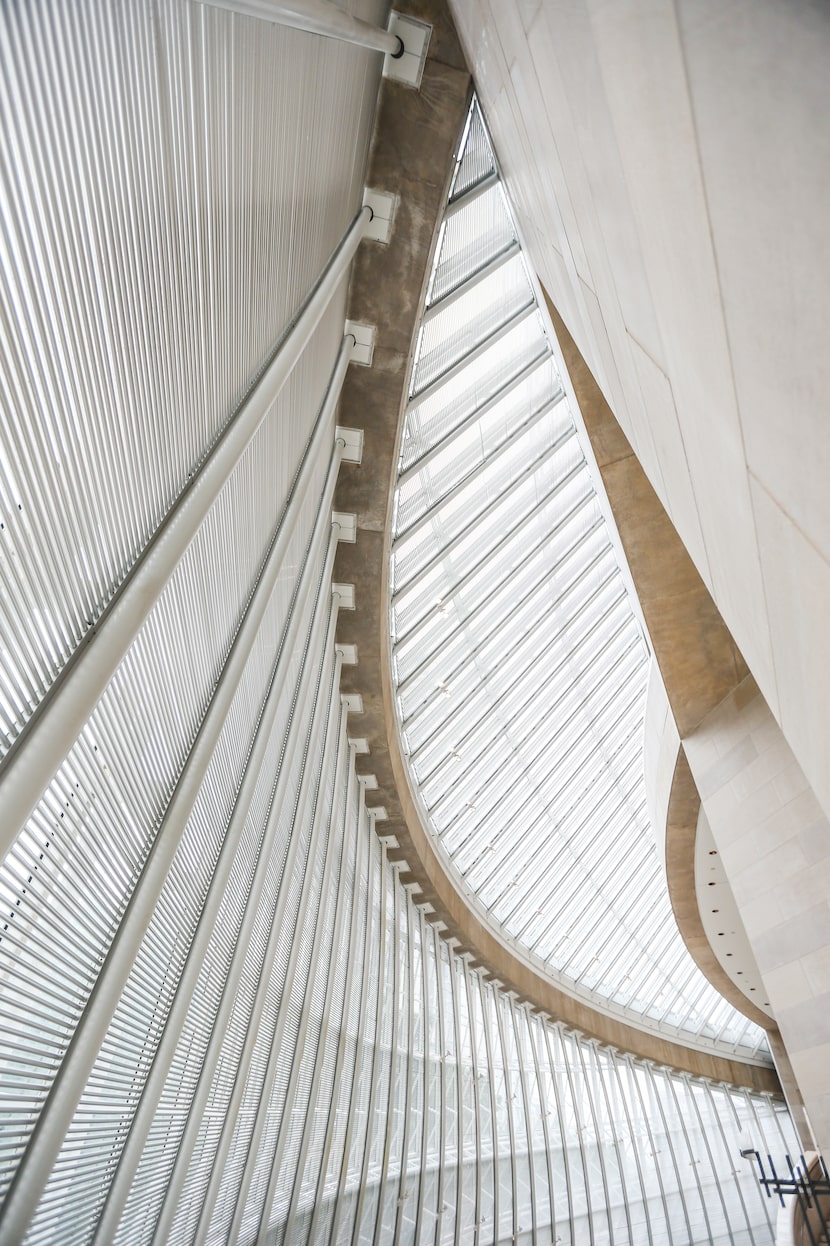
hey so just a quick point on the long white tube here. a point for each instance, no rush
(58, 720)
(318, 17)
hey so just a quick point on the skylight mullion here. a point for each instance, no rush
(482, 737)
(575, 875)
(578, 919)
(503, 584)
(475, 417)
(557, 844)
(525, 764)
(525, 522)
(579, 883)
(472, 476)
(517, 648)
(469, 283)
(495, 833)
(473, 355)
(538, 690)
(637, 948)
(476, 191)
(528, 599)
(590, 815)
(440, 645)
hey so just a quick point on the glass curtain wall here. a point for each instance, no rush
(520, 666)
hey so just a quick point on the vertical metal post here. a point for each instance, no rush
(588, 1093)
(333, 1034)
(517, 1013)
(491, 1066)
(548, 1032)
(670, 1144)
(393, 1052)
(499, 1001)
(212, 1054)
(477, 1107)
(633, 1141)
(383, 1002)
(310, 805)
(532, 1024)
(345, 762)
(360, 1037)
(408, 1079)
(633, 1067)
(427, 951)
(443, 1049)
(459, 1094)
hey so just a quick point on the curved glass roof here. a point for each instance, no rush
(519, 664)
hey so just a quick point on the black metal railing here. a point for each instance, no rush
(809, 1184)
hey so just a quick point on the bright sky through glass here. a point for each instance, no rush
(519, 665)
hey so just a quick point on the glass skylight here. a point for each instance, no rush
(519, 664)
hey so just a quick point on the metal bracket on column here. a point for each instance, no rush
(407, 68)
(383, 205)
(347, 524)
(352, 439)
(346, 594)
(364, 341)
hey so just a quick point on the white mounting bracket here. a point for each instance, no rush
(360, 745)
(348, 654)
(353, 438)
(378, 812)
(408, 68)
(369, 781)
(348, 526)
(352, 701)
(364, 342)
(384, 204)
(346, 594)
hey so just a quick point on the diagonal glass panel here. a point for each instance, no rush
(519, 665)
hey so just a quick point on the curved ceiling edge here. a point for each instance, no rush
(416, 136)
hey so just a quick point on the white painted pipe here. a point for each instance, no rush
(318, 17)
(57, 722)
